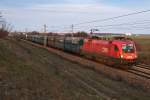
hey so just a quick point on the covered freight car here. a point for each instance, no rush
(73, 44)
(51, 41)
(37, 39)
(70, 44)
(59, 42)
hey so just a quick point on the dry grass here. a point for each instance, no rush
(3, 33)
(143, 47)
(31, 73)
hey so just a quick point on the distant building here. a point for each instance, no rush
(128, 34)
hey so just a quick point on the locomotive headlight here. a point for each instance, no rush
(121, 56)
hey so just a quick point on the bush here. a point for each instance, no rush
(3, 33)
(81, 34)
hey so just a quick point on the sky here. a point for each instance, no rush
(59, 15)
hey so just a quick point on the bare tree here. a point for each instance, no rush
(4, 28)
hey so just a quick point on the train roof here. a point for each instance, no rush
(110, 36)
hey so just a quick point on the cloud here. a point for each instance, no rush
(77, 8)
(82, 1)
(34, 16)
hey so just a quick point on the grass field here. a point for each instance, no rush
(143, 47)
(31, 73)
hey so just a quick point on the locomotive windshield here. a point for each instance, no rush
(128, 48)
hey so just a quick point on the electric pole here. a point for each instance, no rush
(93, 30)
(26, 30)
(0, 14)
(72, 29)
(1, 20)
(1, 17)
(45, 28)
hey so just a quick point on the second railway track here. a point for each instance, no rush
(141, 70)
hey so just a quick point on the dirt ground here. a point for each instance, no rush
(31, 73)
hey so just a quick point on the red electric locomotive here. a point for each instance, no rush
(113, 51)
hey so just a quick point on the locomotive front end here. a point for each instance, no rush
(129, 53)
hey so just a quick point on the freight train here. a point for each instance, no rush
(117, 50)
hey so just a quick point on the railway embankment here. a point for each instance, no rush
(132, 77)
(28, 72)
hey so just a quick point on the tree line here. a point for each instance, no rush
(77, 34)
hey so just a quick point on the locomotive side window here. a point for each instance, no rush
(116, 48)
(128, 48)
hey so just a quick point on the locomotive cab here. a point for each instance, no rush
(128, 52)
(127, 46)
(125, 52)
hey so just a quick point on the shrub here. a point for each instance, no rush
(3, 33)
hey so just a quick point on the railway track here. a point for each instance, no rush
(89, 86)
(139, 73)
(144, 66)
(100, 89)
(79, 75)
(142, 70)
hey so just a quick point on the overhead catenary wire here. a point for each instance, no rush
(117, 28)
(0, 14)
(117, 25)
(120, 24)
(78, 25)
(131, 24)
(123, 28)
(125, 24)
(116, 17)
(107, 19)
(128, 28)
